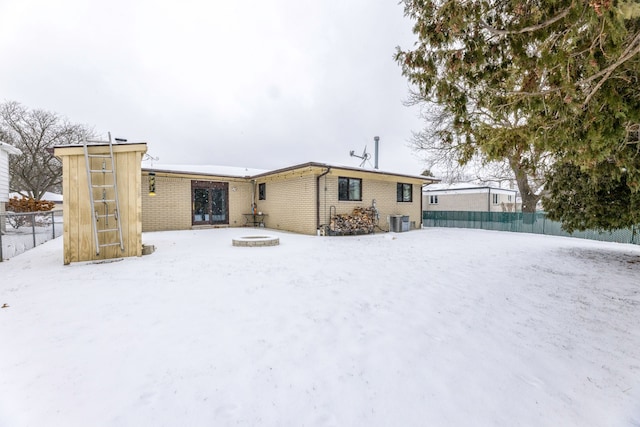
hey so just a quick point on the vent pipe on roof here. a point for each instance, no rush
(376, 139)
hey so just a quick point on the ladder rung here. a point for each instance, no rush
(108, 230)
(99, 156)
(108, 244)
(102, 185)
(101, 171)
(105, 216)
(104, 201)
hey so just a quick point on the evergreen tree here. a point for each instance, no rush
(530, 82)
(602, 200)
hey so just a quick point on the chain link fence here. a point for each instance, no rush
(536, 223)
(22, 231)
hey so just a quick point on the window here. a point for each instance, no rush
(509, 197)
(433, 200)
(405, 192)
(349, 189)
(262, 191)
(495, 199)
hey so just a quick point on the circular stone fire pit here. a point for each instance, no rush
(256, 241)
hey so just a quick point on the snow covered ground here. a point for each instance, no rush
(437, 327)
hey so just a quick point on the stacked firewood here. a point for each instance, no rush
(360, 221)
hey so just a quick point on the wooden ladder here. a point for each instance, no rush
(105, 207)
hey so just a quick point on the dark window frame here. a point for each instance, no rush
(211, 187)
(345, 189)
(262, 191)
(401, 192)
(433, 199)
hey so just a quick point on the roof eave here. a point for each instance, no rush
(10, 149)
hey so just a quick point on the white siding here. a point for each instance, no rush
(4, 176)
(471, 199)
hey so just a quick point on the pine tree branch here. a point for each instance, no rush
(632, 50)
(528, 29)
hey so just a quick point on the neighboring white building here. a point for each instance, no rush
(469, 197)
(5, 151)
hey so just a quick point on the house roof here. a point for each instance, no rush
(464, 187)
(243, 172)
(9, 148)
(213, 170)
(351, 168)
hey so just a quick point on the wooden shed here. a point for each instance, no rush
(101, 202)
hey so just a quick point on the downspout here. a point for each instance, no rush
(422, 205)
(253, 195)
(318, 196)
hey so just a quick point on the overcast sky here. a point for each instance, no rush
(255, 83)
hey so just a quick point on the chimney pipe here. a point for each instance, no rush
(376, 139)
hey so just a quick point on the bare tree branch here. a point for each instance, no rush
(35, 132)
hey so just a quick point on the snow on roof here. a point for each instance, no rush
(466, 187)
(48, 196)
(244, 172)
(453, 186)
(206, 169)
(361, 169)
(9, 148)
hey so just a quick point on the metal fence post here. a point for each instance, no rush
(2, 218)
(33, 228)
(53, 225)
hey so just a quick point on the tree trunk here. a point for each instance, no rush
(529, 201)
(528, 196)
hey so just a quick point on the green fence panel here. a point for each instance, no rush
(520, 222)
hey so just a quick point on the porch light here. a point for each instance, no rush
(152, 184)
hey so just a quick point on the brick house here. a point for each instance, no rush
(469, 197)
(300, 198)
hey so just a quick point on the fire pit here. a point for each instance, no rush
(256, 241)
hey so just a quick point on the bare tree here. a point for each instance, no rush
(35, 133)
(521, 164)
